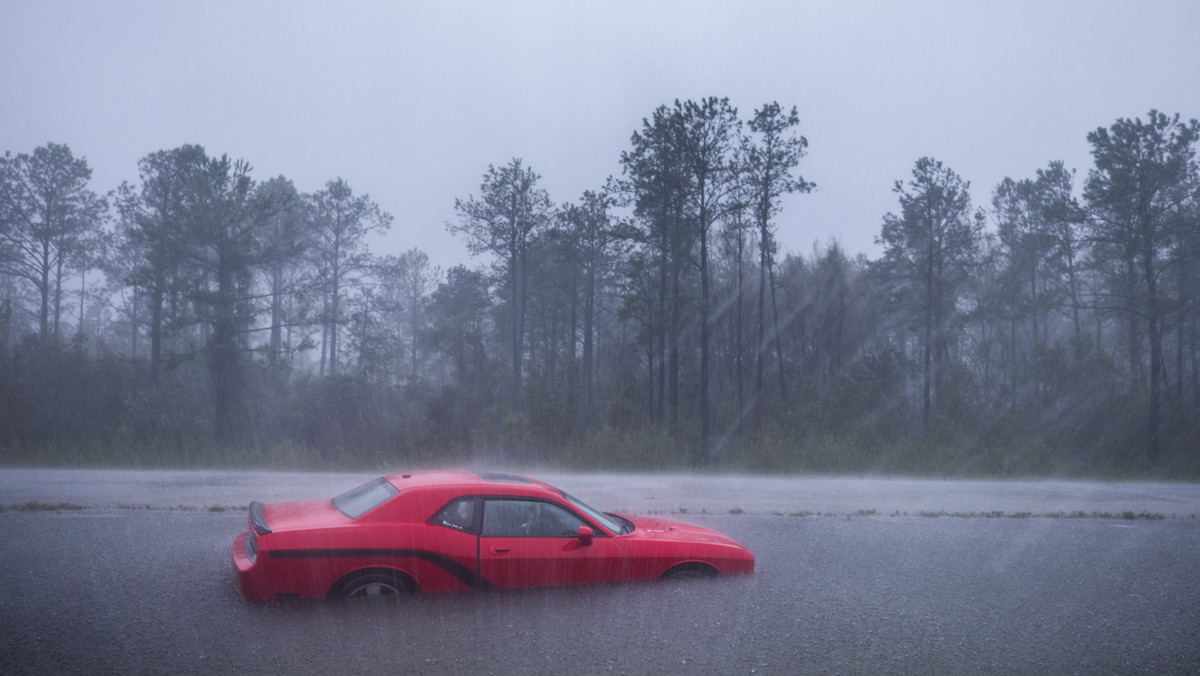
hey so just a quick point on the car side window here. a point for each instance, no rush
(458, 514)
(528, 518)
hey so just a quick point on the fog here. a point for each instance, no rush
(118, 369)
(410, 102)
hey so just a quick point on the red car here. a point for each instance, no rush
(450, 530)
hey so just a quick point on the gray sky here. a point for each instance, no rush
(410, 101)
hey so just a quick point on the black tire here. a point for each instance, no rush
(690, 571)
(381, 584)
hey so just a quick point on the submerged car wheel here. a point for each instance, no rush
(690, 571)
(374, 584)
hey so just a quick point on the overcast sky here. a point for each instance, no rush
(410, 101)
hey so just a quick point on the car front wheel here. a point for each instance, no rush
(690, 571)
(375, 584)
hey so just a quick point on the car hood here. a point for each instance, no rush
(289, 516)
(654, 527)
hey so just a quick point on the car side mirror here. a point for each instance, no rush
(585, 535)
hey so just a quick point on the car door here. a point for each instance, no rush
(531, 542)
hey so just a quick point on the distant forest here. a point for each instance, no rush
(200, 316)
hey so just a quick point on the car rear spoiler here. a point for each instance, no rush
(257, 521)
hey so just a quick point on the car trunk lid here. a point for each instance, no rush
(284, 516)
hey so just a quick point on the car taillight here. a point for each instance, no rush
(251, 546)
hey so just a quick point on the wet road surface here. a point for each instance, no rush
(128, 589)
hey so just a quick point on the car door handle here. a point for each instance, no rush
(500, 550)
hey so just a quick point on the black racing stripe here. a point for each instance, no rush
(459, 571)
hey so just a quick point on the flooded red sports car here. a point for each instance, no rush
(452, 530)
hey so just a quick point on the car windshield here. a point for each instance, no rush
(358, 501)
(612, 522)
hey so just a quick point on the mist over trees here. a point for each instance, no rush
(200, 315)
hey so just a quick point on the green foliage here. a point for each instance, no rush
(672, 335)
(619, 449)
(50, 224)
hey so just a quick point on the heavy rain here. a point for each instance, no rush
(902, 297)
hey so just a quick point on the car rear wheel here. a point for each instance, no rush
(374, 584)
(690, 571)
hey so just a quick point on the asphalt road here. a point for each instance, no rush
(874, 582)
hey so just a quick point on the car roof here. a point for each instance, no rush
(469, 481)
(422, 493)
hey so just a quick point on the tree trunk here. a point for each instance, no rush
(517, 321)
(589, 310)
(783, 393)
(58, 292)
(1195, 352)
(334, 319)
(224, 359)
(705, 423)
(761, 344)
(44, 289)
(82, 300)
(156, 330)
(673, 364)
(661, 328)
(324, 337)
(739, 355)
(1074, 284)
(927, 360)
(133, 314)
(415, 326)
(1180, 331)
(1156, 355)
(276, 318)
(650, 407)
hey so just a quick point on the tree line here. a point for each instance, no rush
(199, 315)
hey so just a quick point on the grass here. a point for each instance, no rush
(935, 514)
(930, 514)
(39, 506)
(778, 449)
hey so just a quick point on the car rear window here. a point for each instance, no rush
(502, 477)
(458, 514)
(358, 501)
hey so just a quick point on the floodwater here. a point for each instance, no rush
(854, 576)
